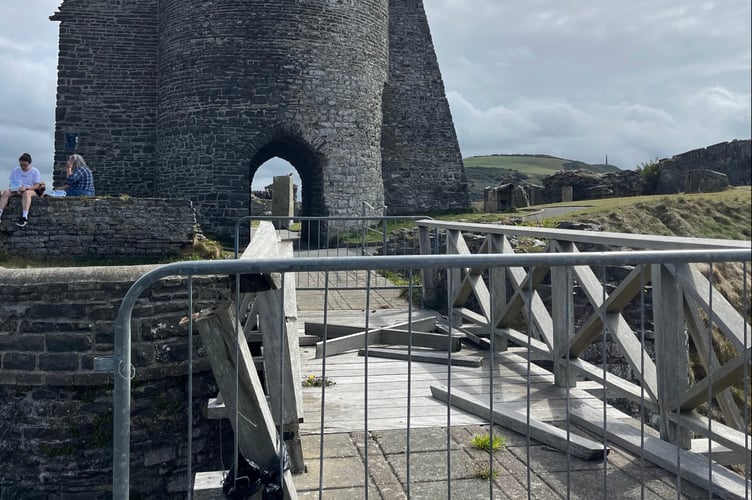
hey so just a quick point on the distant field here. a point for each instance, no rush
(534, 164)
(491, 170)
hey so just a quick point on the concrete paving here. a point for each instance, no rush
(551, 475)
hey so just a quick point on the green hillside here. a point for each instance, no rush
(491, 170)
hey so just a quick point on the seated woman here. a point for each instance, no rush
(80, 178)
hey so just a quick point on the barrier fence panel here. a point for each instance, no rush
(610, 373)
(341, 237)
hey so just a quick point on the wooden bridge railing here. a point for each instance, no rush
(684, 303)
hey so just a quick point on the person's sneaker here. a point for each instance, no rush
(22, 221)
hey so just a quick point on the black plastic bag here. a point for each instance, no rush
(250, 479)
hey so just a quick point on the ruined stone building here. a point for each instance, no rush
(732, 159)
(503, 197)
(188, 98)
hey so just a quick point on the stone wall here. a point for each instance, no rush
(56, 415)
(62, 227)
(187, 98)
(107, 92)
(587, 185)
(705, 181)
(732, 158)
(421, 160)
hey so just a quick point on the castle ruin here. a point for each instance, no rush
(188, 98)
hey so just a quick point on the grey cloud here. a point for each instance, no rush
(629, 133)
(634, 79)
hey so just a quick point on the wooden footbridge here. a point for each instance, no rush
(532, 343)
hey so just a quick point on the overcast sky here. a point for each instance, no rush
(581, 79)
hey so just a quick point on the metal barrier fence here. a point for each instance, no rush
(343, 237)
(450, 384)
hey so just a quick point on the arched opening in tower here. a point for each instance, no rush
(299, 160)
(263, 179)
(290, 155)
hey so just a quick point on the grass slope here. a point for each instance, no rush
(491, 170)
(724, 215)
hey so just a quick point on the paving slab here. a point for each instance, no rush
(346, 472)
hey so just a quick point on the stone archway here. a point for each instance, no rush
(306, 160)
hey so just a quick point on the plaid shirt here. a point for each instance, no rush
(81, 182)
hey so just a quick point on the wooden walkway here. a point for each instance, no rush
(553, 473)
(388, 391)
(514, 393)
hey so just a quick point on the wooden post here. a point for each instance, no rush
(429, 284)
(455, 246)
(280, 341)
(257, 436)
(283, 199)
(498, 277)
(671, 353)
(562, 305)
(279, 332)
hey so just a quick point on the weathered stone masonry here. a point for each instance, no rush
(732, 158)
(418, 142)
(189, 98)
(100, 227)
(56, 411)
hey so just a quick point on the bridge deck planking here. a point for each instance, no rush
(387, 391)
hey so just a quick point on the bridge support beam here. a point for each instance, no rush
(671, 353)
(562, 314)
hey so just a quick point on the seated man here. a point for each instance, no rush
(24, 181)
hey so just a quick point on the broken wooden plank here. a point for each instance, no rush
(722, 434)
(393, 336)
(257, 436)
(217, 410)
(332, 331)
(348, 343)
(423, 356)
(471, 315)
(717, 452)
(540, 431)
(691, 467)
(480, 342)
(307, 340)
(442, 326)
(343, 323)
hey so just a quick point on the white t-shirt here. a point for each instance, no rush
(24, 179)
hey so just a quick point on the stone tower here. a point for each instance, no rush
(188, 98)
